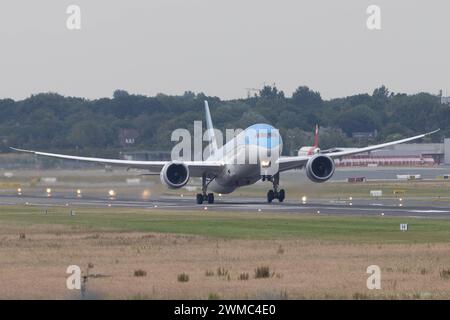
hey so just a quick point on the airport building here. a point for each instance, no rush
(144, 155)
(408, 154)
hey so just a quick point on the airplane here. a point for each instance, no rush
(310, 150)
(221, 172)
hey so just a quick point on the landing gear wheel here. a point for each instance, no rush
(270, 196)
(199, 198)
(281, 195)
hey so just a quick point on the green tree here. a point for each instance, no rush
(358, 119)
(303, 96)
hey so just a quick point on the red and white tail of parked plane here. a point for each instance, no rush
(311, 150)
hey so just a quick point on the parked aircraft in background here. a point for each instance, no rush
(310, 150)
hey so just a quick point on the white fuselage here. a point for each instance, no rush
(245, 156)
(308, 151)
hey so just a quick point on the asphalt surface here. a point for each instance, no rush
(417, 207)
(387, 173)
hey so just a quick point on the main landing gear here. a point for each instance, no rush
(201, 197)
(205, 197)
(275, 193)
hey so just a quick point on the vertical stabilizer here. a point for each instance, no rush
(316, 137)
(210, 130)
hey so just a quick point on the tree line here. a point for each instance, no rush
(52, 122)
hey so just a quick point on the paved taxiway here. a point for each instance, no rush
(415, 207)
(386, 173)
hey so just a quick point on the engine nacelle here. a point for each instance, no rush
(320, 168)
(174, 175)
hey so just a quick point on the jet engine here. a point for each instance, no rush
(174, 175)
(320, 168)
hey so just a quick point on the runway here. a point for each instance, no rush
(388, 173)
(416, 207)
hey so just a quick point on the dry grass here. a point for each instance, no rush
(262, 272)
(280, 250)
(244, 276)
(209, 273)
(35, 267)
(183, 277)
(213, 296)
(445, 274)
(140, 273)
(222, 272)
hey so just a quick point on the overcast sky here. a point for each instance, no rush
(222, 47)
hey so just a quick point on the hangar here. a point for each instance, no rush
(404, 154)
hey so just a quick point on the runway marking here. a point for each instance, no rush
(429, 211)
(248, 205)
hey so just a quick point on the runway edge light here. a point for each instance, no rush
(304, 198)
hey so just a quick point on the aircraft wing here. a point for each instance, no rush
(287, 163)
(196, 168)
(336, 149)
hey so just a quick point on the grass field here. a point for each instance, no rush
(153, 253)
(343, 190)
(228, 225)
(142, 253)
